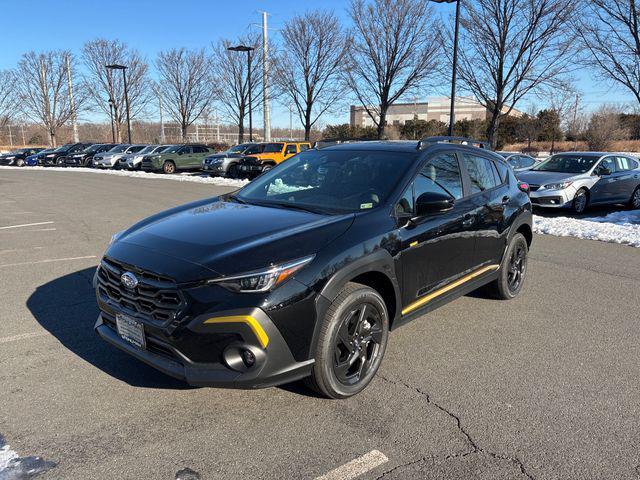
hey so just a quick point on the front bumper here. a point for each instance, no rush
(553, 198)
(214, 168)
(274, 362)
(104, 163)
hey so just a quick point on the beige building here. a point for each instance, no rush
(433, 109)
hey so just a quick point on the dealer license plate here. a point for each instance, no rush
(131, 330)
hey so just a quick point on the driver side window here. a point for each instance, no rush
(608, 163)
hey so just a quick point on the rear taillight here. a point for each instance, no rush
(524, 186)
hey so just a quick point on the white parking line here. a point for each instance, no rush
(22, 336)
(356, 467)
(49, 260)
(25, 225)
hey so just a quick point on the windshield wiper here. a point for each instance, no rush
(292, 206)
(237, 199)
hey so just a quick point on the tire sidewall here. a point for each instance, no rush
(518, 238)
(633, 196)
(580, 192)
(327, 344)
(169, 165)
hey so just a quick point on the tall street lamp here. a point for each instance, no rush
(115, 66)
(452, 112)
(113, 131)
(245, 48)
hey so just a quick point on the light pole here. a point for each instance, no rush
(115, 66)
(113, 131)
(452, 111)
(245, 48)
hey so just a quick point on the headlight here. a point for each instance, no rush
(262, 280)
(51, 155)
(558, 186)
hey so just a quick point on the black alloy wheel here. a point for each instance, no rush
(351, 343)
(357, 343)
(513, 270)
(517, 267)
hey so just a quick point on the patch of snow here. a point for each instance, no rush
(278, 187)
(181, 177)
(15, 467)
(617, 227)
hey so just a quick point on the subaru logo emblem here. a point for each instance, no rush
(129, 280)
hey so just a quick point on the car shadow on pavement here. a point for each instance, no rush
(66, 307)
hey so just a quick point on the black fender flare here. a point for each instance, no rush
(379, 261)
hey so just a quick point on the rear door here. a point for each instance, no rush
(627, 178)
(290, 150)
(198, 155)
(489, 197)
(436, 249)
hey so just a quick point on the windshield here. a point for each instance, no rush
(148, 149)
(172, 149)
(119, 149)
(238, 148)
(330, 181)
(62, 148)
(273, 147)
(252, 150)
(92, 148)
(567, 164)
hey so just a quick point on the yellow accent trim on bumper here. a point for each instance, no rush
(427, 298)
(255, 326)
(413, 244)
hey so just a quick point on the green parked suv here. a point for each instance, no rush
(176, 157)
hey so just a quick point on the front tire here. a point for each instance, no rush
(513, 270)
(580, 201)
(634, 203)
(233, 171)
(352, 342)
(20, 163)
(168, 167)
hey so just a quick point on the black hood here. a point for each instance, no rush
(229, 238)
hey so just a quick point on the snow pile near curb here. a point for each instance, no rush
(181, 177)
(617, 227)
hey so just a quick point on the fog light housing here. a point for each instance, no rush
(243, 357)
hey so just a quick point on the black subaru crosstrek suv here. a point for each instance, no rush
(303, 272)
(58, 156)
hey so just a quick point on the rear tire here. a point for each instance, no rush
(634, 203)
(580, 201)
(233, 171)
(513, 270)
(169, 167)
(266, 168)
(353, 339)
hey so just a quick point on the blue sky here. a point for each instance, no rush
(151, 26)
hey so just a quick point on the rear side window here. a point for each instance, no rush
(290, 149)
(526, 162)
(503, 171)
(441, 175)
(481, 173)
(624, 163)
(304, 146)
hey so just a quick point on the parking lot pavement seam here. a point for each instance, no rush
(475, 448)
(586, 269)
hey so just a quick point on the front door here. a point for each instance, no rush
(437, 248)
(604, 190)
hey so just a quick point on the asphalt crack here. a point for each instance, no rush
(475, 448)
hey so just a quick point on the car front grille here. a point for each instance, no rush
(155, 297)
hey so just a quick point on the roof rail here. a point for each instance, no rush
(328, 142)
(425, 141)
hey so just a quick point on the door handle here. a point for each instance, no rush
(468, 220)
(506, 199)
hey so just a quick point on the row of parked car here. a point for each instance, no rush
(246, 159)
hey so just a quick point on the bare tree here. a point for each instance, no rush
(43, 89)
(510, 48)
(185, 84)
(105, 86)
(393, 50)
(232, 79)
(611, 35)
(604, 128)
(8, 96)
(307, 71)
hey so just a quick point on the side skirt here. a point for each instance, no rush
(439, 301)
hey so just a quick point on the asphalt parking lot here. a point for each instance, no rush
(544, 386)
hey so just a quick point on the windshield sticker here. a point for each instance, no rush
(366, 205)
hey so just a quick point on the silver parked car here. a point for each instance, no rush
(110, 158)
(577, 180)
(133, 161)
(519, 161)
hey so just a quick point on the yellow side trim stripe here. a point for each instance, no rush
(427, 298)
(255, 326)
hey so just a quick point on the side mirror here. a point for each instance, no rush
(604, 171)
(433, 202)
